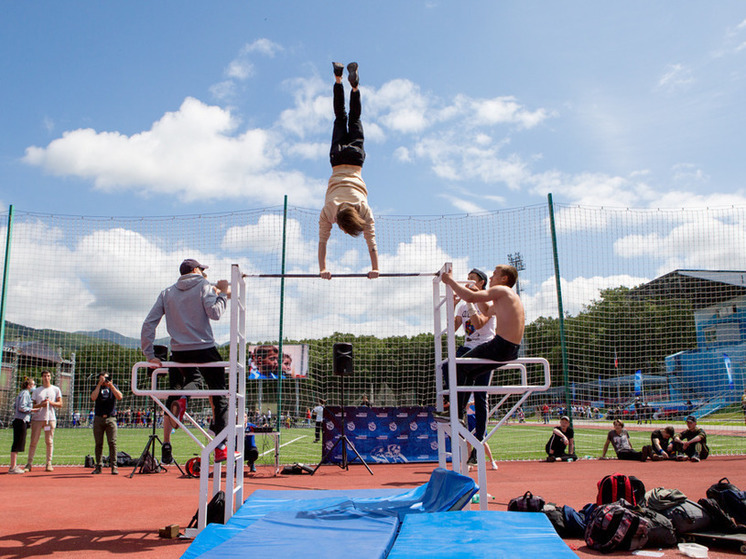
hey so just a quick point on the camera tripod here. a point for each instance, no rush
(346, 442)
(150, 448)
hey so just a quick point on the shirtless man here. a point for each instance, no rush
(507, 308)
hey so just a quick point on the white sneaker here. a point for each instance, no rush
(494, 465)
(17, 470)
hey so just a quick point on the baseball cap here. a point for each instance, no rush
(190, 264)
(481, 275)
(691, 418)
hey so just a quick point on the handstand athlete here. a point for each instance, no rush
(346, 201)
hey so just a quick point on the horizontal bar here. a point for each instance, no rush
(395, 275)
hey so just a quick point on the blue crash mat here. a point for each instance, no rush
(263, 501)
(474, 534)
(289, 535)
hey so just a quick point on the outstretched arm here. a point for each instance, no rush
(465, 293)
(373, 274)
(322, 262)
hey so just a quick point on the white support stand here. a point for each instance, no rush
(460, 435)
(233, 433)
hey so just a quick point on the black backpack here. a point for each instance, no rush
(215, 511)
(721, 520)
(150, 464)
(617, 486)
(124, 459)
(730, 498)
(557, 518)
(688, 517)
(662, 532)
(614, 527)
(526, 503)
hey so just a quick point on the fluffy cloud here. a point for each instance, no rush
(699, 242)
(191, 153)
(577, 294)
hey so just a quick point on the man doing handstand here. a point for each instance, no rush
(346, 201)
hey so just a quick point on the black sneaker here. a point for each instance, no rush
(472, 461)
(96, 470)
(338, 68)
(694, 457)
(352, 74)
(645, 453)
(166, 456)
(551, 458)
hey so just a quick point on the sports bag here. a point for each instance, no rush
(215, 511)
(662, 532)
(557, 518)
(688, 517)
(721, 520)
(617, 486)
(614, 527)
(574, 522)
(660, 498)
(526, 503)
(730, 498)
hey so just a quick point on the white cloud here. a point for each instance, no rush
(505, 110)
(675, 77)
(463, 205)
(577, 294)
(266, 237)
(402, 154)
(312, 109)
(242, 68)
(192, 153)
(703, 243)
(455, 160)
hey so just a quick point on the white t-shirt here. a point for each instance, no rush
(319, 411)
(475, 337)
(46, 413)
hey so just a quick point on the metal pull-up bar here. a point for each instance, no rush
(392, 275)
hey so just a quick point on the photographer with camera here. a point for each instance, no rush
(104, 398)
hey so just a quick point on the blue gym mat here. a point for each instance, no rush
(289, 535)
(362, 522)
(474, 534)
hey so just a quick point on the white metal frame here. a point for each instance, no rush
(460, 435)
(233, 433)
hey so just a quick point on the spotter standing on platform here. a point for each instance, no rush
(507, 308)
(346, 201)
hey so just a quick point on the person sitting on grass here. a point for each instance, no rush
(619, 437)
(662, 444)
(561, 445)
(692, 442)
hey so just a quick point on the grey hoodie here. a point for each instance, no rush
(189, 304)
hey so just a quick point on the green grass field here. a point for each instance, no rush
(513, 442)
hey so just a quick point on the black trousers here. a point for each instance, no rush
(348, 138)
(496, 349)
(191, 378)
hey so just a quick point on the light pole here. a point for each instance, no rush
(516, 260)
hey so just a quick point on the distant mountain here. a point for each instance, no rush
(119, 339)
(71, 341)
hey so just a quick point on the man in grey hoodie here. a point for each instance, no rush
(189, 305)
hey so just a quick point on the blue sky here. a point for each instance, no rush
(183, 108)
(169, 108)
